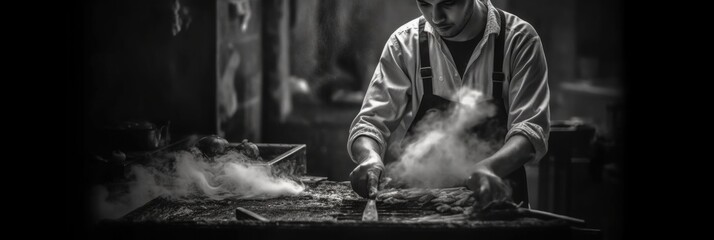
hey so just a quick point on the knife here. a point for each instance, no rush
(370, 211)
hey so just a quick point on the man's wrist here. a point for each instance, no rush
(483, 166)
(366, 155)
(364, 148)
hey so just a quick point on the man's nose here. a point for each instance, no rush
(438, 17)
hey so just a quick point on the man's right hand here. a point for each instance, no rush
(365, 177)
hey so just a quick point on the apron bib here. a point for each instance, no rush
(494, 128)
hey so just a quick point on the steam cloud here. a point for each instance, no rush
(184, 174)
(441, 152)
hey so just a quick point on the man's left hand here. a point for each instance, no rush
(487, 186)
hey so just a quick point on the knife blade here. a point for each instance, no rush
(370, 211)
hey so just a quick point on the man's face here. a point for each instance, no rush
(448, 17)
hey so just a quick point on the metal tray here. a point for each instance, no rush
(285, 160)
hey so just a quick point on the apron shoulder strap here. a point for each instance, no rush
(424, 62)
(498, 76)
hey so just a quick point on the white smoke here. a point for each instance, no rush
(184, 174)
(441, 152)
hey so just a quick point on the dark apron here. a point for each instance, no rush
(492, 129)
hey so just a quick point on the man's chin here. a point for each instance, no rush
(447, 34)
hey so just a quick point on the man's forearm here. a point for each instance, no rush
(363, 147)
(514, 153)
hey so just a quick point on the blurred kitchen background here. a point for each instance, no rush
(295, 71)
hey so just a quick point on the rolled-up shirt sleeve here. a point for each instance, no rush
(529, 96)
(385, 100)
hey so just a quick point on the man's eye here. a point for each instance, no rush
(448, 3)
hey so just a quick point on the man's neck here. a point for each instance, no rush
(475, 25)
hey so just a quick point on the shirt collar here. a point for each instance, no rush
(492, 25)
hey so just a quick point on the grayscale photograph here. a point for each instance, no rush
(350, 119)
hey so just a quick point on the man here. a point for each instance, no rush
(466, 43)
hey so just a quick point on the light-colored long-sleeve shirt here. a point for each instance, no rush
(396, 88)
